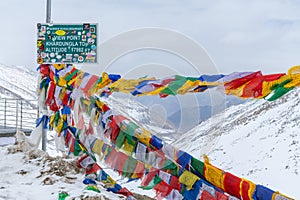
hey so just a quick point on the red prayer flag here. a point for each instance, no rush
(90, 83)
(163, 189)
(206, 196)
(95, 167)
(232, 184)
(139, 169)
(115, 130)
(44, 69)
(125, 192)
(149, 177)
(241, 81)
(254, 87)
(221, 196)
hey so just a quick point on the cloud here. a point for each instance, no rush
(237, 34)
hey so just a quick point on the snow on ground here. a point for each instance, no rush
(7, 141)
(51, 173)
(35, 175)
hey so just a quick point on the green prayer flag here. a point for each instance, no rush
(192, 79)
(169, 165)
(129, 167)
(92, 188)
(62, 195)
(130, 132)
(156, 180)
(281, 84)
(56, 118)
(279, 92)
(70, 76)
(173, 86)
(77, 148)
(197, 166)
(120, 139)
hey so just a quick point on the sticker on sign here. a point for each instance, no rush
(67, 43)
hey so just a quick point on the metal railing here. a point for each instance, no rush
(17, 114)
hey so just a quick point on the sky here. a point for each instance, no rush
(238, 35)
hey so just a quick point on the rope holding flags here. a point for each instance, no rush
(95, 132)
(240, 84)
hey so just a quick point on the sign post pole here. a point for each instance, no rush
(64, 44)
(48, 14)
(44, 132)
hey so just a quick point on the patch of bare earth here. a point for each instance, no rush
(59, 169)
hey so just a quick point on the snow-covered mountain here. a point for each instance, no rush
(147, 118)
(17, 82)
(258, 140)
(174, 115)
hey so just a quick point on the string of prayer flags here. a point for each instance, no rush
(92, 168)
(240, 84)
(90, 127)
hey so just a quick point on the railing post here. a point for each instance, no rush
(4, 113)
(21, 114)
(17, 113)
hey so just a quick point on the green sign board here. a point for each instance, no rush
(67, 43)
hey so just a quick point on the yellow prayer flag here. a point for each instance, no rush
(78, 79)
(51, 121)
(59, 66)
(62, 82)
(134, 176)
(188, 85)
(127, 86)
(112, 181)
(237, 92)
(294, 71)
(188, 178)
(99, 104)
(96, 116)
(214, 175)
(294, 75)
(294, 83)
(59, 126)
(128, 148)
(153, 92)
(143, 135)
(266, 87)
(62, 93)
(97, 148)
(105, 81)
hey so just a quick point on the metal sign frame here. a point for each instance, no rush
(67, 43)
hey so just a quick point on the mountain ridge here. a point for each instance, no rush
(18, 82)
